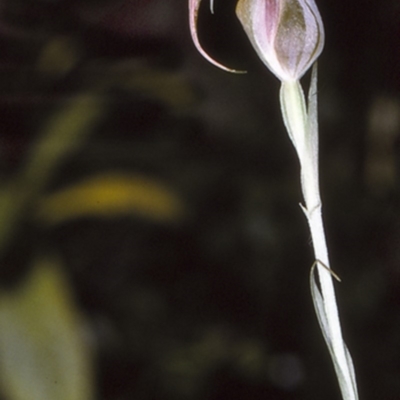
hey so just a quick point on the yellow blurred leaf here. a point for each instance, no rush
(110, 195)
(43, 354)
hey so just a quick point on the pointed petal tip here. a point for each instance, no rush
(215, 62)
(212, 6)
(194, 6)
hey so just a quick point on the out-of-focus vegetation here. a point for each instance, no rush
(44, 354)
(151, 244)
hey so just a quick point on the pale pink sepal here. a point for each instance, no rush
(194, 6)
(288, 35)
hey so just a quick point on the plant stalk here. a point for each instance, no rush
(302, 127)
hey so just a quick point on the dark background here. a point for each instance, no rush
(216, 304)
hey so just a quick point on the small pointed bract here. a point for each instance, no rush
(288, 35)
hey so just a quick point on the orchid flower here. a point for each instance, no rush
(288, 36)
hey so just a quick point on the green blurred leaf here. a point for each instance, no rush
(170, 88)
(43, 352)
(64, 132)
(58, 56)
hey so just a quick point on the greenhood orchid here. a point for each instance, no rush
(288, 35)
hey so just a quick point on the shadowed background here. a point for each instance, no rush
(152, 245)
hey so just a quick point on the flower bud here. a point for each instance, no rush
(288, 35)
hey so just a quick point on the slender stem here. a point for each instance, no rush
(303, 131)
(315, 222)
(338, 349)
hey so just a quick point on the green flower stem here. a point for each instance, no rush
(302, 127)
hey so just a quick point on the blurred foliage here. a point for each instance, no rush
(151, 241)
(44, 354)
(110, 195)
